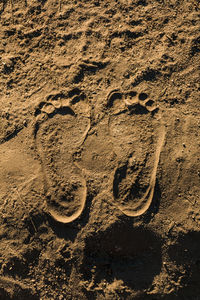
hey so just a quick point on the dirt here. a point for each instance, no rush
(99, 149)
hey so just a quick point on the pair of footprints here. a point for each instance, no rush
(63, 124)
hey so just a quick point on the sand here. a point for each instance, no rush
(99, 149)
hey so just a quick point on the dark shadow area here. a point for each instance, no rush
(74, 92)
(143, 96)
(56, 96)
(66, 231)
(4, 3)
(77, 98)
(135, 22)
(11, 290)
(11, 135)
(123, 252)
(195, 48)
(34, 222)
(138, 109)
(185, 253)
(63, 111)
(86, 68)
(127, 34)
(148, 74)
(149, 103)
(132, 94)
(33, 34)
(119, 175)
(8, 69)
(16, 267)
(142, 2)
(112, 97)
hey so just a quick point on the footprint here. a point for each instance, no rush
(61, 126)
(138, 138)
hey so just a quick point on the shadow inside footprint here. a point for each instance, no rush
(138, 109)
(57, 138)
(125, 253)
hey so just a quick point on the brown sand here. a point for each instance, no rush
(99, 149)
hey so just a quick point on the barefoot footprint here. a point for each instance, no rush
(62, 124)
(138, 138)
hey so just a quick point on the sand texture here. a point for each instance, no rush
(99, 149)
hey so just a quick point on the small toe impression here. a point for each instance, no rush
(142, 96)
(131, 98)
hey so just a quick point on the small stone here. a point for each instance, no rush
(56, 103)
(41, 117)
(48, 108)
(25, 123)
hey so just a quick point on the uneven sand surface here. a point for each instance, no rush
(99, 149)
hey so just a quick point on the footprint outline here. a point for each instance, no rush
(142, 100)
(64, 103)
